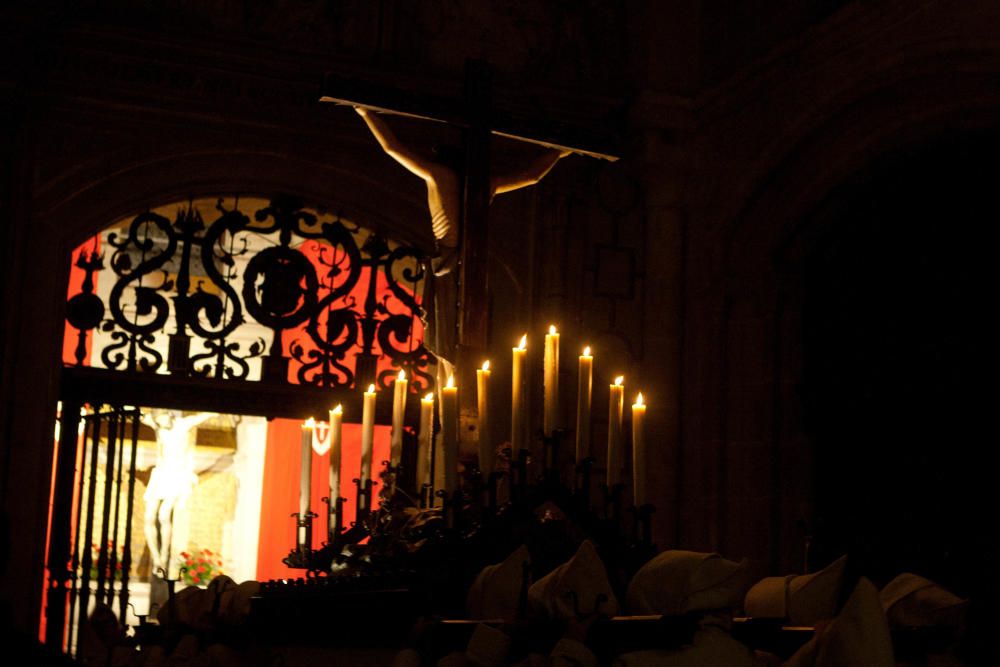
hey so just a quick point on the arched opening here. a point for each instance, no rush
(896, 352)
(213, 326)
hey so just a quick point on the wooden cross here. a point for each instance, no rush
(475, 115)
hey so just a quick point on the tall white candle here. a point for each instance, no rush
(398, 417)
(639, 452)
(517, 403)
(615, 406)
(485, 438)
(336, 427)
(550, 416)
(367, 433)
(449, 434)
(585, 386)
(425, 440)
(305, 474)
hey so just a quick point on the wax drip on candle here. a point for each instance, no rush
(486, 453)
(449, 435)
(585, 382)
(615, 455)
(550, 417)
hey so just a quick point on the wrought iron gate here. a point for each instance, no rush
(97, 453)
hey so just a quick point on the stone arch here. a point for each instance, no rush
(764, 463)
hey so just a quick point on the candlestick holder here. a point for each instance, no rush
(613, 502)
(476, 486)
(426, 495)
(492, 485)
(519, 475)
(641, 547)
(451, 506)
(390, 474)
(582, 480)
(642, 531)
(551, 444)
(363, 493)
(301, 556)
(334, 518)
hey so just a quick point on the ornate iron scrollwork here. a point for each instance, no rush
(205, 297)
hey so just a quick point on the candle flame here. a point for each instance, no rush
(371, 389)
(339, 410)
(451, 382)
(310, 423)
(638, 400)
(524, 342)
(402, 375)
(619, 380)
(586, 351)
(486, 365)
(552, 330)
(429, 397)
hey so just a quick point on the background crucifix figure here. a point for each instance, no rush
(171, 481)
(445, 186)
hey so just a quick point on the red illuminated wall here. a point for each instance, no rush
(76, 277)
(357, 296)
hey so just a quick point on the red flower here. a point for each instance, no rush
(207, 552)
(195, 579)
(201, 568)
(185, 554)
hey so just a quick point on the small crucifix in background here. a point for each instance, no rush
(460, 188)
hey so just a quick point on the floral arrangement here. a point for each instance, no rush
(95, 556)
(198, 568)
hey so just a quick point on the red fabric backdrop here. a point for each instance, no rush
(280, 498)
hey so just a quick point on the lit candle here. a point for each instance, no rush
(615, 406)
(550, 417)
(584, 389)
(336, 421)
(517, 406)
(485, 440)
(638, 452)
(367, 434)
(449, 434)
(426, 440)
(305, 474)
(398, 414)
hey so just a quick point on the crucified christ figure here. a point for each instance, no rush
(171, 481)
(444, 201)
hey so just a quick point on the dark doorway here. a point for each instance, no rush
(899, 359)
